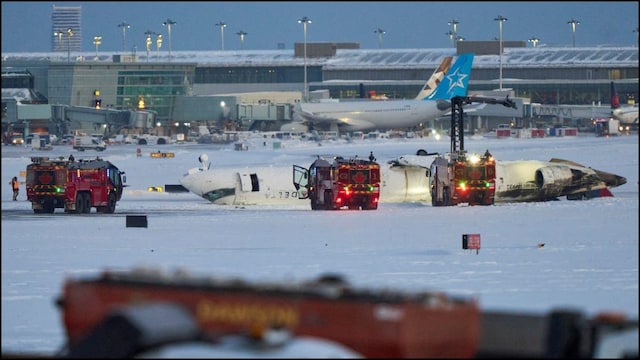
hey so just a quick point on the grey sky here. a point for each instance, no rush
(26, 26)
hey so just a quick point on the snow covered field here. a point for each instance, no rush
(589, 261)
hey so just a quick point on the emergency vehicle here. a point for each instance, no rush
(352, 183)
(459, 177)
(75, 186)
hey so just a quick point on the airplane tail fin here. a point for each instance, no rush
(435, 78)
(615, 101)
(456, 81)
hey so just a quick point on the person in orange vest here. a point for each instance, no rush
(15, 184)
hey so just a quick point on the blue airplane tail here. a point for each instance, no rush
(456, 80)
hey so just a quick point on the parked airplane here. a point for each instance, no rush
(626, 114)
(432, 102)
(405, 179)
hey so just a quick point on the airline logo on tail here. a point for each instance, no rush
(456, 81)
(435, 78)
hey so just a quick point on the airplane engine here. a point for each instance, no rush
(553, 180)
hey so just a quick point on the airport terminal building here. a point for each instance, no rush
(215, 88)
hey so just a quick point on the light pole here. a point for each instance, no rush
(454, 27)
(222, 25)
(500, 19)
(450, 34)
(380, 32)
(534, 41)
(636, 31)
(168, 24)
(124, 27)
(242, 35)
(97, 40)
(148, 41)
(59, 34)
(158, 46)
(304, 21)
(573, 23)
(69, 35)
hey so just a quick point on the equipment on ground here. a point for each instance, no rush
(352, 183)
(84, 142)
(607, 127)
(458, 177)
(76, 186)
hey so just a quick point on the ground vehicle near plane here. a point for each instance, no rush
(75, 186)
(331, 185)
(83, 143)
(607, 127)
(462, 178)
(458, 177)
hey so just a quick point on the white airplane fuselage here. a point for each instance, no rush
(627, 115)
(404, 180)
(374, 114)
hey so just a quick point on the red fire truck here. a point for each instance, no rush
(340, 183)
(75, 186)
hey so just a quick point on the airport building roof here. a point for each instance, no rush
(600, 56)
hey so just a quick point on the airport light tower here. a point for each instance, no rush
(242, 34)
(534, 41)
(169, 23)
(304, 21)
(124, 27)
(158, 46)
(454, 29)
(69, 35)
(97, 40)
(380, 32)
(573, 23)
(500, 19)
(148, 41)
(222, 25)
(59, 34)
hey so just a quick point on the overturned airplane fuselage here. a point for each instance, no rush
(406, 179)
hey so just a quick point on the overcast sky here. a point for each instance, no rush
(27, 26)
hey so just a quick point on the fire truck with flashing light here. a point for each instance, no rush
(459, 177)
(352, 183)
(75, 186)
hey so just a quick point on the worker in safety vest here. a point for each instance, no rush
(15, 185)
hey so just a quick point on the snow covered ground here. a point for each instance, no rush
(589, 261)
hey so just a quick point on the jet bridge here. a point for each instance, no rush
(68, 118)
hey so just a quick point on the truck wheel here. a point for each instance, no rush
(79, 203)
(328, 200)
(87, 203)
(111, 204)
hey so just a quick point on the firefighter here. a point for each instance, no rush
(371, 157)
(71, 158)
(15, 185)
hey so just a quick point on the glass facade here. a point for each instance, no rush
(152, 89)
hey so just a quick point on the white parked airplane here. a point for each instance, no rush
(432, 102)
(626, 114)
(405, 179)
